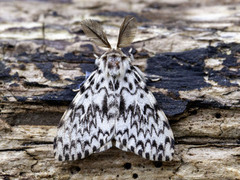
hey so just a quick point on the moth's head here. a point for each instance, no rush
(114, 61)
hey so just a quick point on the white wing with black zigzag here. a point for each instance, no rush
(86, 127)
(142, 127)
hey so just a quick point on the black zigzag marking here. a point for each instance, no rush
(133, 114)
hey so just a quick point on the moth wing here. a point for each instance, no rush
(142, 127)
(84, 128)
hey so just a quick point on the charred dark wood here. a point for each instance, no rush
(44, 55)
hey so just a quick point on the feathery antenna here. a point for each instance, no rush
(127, 32)
(95, 32)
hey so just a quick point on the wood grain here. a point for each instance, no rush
(192, 45)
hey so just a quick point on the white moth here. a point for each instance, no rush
(114, 107)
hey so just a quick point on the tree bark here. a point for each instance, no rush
(192, 46)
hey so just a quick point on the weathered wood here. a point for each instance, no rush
(194, 48)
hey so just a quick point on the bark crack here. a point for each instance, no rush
(34, 158)
(220, 127)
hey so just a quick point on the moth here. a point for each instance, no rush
(114, 106)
